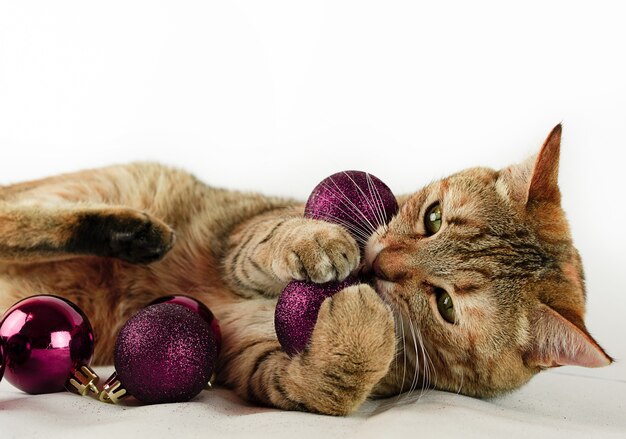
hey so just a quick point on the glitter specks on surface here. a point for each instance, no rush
(165, 353)
(297, 309)
(199, 308)
(354, 199)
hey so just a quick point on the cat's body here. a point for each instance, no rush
(105, 240)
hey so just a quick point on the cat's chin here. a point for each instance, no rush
(383, 288)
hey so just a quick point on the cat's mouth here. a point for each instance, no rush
(373, 247)
(370, 271)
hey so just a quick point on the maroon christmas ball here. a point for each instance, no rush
(46, 338)
(297, 310)
(165, 353)
(1, 359)
(199, 308)
(354, 199)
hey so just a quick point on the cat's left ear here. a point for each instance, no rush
(558, 342)
(536, 179)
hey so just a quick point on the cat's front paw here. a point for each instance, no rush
(317, 251)
(351, 349)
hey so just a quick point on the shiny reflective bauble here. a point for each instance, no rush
(45, 339)
(354, 199)
(199, 308)
(1, 359)
(297, 310)
(165, 353)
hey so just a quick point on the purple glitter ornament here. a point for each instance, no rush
(48, 342)
(165, 353)
(199, 308)
(297, 309)
(354, 199)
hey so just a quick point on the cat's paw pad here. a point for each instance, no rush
(129, 235)
(142, 240)
(319, 252)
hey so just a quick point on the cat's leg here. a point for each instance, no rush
(272, 249)
(37, 233)
(86, 213)
(351, 349)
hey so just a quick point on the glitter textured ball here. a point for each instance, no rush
(354, 199)
(165, 353)
(361, 203)
(46, 338)
(199, 308)
(297, 309)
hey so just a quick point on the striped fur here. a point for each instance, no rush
(113, 239)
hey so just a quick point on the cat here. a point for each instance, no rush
(478, 284)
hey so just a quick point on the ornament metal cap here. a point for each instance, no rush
(112, 391)
(83, 381)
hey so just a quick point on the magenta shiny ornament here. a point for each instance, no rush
(297, 309)
(1, 359)
(164, 353)
(354, 199)
(48, 343)
(199, 308)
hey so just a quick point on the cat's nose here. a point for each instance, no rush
(387, 267)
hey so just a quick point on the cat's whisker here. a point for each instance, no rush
(365, 197)
(374, 200)
(404, 357)
(362, 231)
(378, 199)
(417, 360)
(396, 315)
(428, 366)
(431, 366)
(359, 234)
(348, 202)
(425, 371)
(458, 391)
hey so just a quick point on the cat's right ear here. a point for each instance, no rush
(536, 179)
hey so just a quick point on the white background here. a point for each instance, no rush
(273, 96)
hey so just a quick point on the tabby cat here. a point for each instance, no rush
(479, 285)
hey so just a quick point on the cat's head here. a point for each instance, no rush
(482, 266)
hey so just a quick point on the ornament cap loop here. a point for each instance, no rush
(83, 381)
(113, 392)
(209, 385)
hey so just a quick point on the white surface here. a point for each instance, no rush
(273, 96)
(553, 405)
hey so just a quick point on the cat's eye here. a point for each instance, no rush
(432, 219)
(445, 305)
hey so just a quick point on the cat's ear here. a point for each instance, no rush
(558, 342)
(544, 185)
(536, 179)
